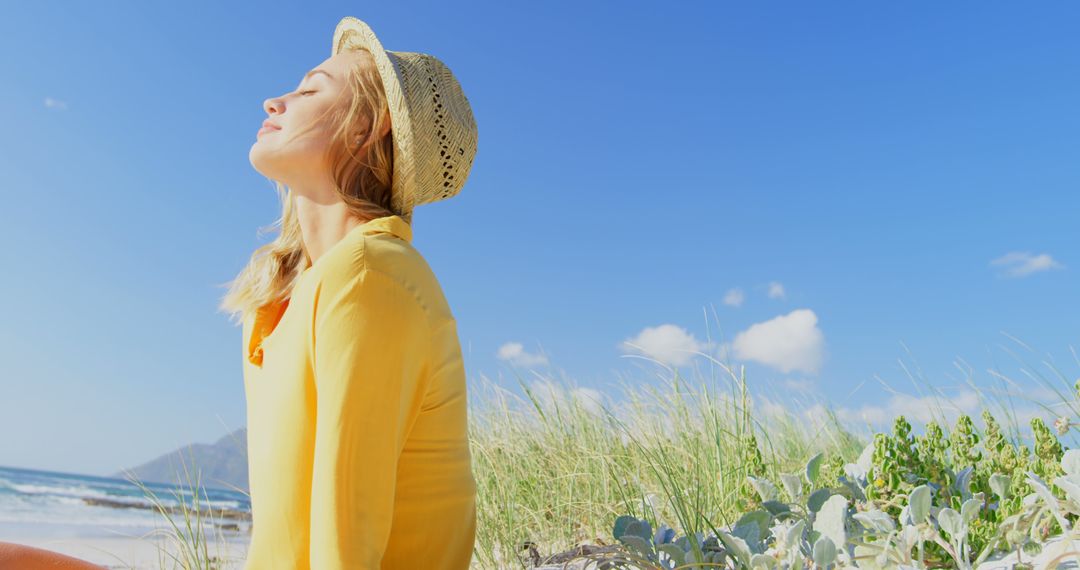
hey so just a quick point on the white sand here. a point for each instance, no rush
(149, 553)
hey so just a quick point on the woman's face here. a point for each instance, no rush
(281, 151)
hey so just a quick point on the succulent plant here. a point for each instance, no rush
(908, 502)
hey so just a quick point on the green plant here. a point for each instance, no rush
(187, 545)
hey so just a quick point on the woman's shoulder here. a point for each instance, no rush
(391, 257)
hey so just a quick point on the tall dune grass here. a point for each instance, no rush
(186, 545)
(555, 468)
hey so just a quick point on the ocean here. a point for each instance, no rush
(68, 505)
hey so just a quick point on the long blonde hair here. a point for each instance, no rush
(363, 183)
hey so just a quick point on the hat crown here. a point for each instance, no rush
(432, 122)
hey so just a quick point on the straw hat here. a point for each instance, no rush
(432, 123)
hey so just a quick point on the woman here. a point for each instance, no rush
(358, 449)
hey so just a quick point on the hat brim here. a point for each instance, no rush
(352, 33)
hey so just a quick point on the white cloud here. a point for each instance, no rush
(917, 410)
(1023, 263)
(922, 409)
(799, 385)
(667, 343)
(776, 290)
(548, 394)
(1041, 393)
(788, 342)
(734, 297)
(817, 416)
(515, 353)
(768, 407)
(933, 408)
(51, 103)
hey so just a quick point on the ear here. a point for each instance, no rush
(358, 139)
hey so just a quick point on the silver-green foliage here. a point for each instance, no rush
(783, 535)
(809, 527)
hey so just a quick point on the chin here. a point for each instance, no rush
(260, 162)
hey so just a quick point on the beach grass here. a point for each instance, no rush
(555, 468)
(186, 544)
(555, 465)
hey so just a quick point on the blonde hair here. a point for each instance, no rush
(363, 183)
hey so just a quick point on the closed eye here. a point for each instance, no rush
(306, 92)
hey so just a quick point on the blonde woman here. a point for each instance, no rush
(358, 449)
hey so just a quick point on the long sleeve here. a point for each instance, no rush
(370, 347)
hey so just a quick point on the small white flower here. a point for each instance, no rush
(1062, 425)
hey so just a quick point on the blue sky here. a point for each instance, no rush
(636, 164)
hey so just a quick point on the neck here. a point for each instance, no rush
(322, 225)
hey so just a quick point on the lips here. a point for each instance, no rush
(267, 127)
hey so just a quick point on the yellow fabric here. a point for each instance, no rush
(358, 449)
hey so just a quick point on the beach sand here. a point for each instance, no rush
(138, 552)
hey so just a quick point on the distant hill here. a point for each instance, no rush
(222, 464)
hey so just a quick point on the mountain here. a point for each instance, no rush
(222, 464)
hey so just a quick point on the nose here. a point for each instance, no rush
(272, 106)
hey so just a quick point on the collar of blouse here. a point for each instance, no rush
(267, 316)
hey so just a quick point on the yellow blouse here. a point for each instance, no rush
(358, 450)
